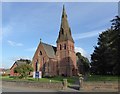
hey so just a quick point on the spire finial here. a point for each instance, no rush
(64, 12)
(63, 7)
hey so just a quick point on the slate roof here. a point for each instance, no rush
(49, 49)
(65, 31)
(20, 62)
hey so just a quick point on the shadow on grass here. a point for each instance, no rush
(30, 79)
(74, 87)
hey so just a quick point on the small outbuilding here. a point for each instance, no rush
(18, 63)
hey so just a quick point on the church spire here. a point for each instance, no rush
(65, 32)
(64, 22)
(64, 12)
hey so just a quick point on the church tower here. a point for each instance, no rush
(65, 49)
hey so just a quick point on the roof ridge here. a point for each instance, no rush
(47, 44)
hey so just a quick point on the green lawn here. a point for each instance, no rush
(28, 79)
(70, 80)
(53, 79)
(102, 78)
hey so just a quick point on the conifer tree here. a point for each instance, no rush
(106, 56)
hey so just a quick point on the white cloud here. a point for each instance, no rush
(87, 34)
(12, 43)
(82, 51)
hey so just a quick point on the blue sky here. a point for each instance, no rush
(23, 24)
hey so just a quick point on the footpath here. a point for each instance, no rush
(87, 87)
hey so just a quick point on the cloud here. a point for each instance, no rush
(87, 34)
(82, 51)
(12, 43)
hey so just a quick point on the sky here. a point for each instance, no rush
(23, 24)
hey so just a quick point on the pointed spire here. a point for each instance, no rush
(64, 22)
(63, 7)
(65, 32)
(64, 13)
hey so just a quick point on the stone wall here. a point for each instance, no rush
(113, 86)
(49, 85)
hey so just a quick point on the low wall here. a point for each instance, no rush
(113, 86)
(54, 85)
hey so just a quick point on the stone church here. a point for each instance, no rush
(60, 60)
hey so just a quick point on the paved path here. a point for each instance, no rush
(74, 88)
(26, 89)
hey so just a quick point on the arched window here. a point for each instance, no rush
(60, 47)
(64, 46)
(36, 65)
(40, 52)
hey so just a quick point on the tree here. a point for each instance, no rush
(105, 58)
(82, 63)
(115, 45)
(23, 70)
(98, 58)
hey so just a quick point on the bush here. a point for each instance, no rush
(23, 70)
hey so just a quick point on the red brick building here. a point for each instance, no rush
(60, 60)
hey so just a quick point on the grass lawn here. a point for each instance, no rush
(102, 78)
(70, 80)
(53, 79)
(28, 79)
